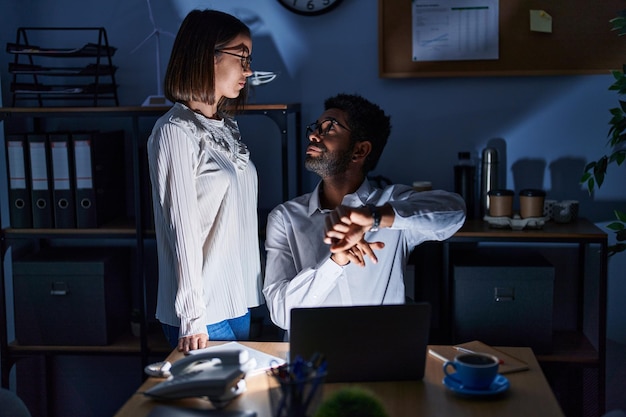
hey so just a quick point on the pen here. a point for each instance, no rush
(462, 349)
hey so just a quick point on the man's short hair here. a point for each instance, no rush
(367, 122)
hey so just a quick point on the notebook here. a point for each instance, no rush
(508, 363)
(364, 343)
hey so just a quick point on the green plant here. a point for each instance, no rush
(596, 171)
(351, 402)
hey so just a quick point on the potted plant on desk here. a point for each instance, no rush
(595, 171)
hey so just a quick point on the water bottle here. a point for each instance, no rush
(465, 182)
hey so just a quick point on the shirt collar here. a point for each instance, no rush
(356, 199)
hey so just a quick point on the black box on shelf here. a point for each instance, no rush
(71, 296)
(505, 299)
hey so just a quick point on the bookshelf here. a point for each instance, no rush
(132, 231)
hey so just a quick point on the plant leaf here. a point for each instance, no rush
(616, 226)
(590, 185)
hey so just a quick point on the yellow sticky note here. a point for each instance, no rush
(540, 21)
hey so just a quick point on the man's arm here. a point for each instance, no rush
(429, 215)
(297, 273)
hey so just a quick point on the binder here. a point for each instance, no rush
(20, 211)
(64, 208)
(41, 195)
(99, 177)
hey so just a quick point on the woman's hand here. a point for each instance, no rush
(193, 342)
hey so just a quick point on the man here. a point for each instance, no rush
(347, 243)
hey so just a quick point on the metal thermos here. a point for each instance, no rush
(489, 177)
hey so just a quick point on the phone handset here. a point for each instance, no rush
(208, 359)
(218, 375)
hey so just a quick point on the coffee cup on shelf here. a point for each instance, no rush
(531, 203)
(562, 212)
(573, 208)
(474, 371)
(548, 206)
(501, 203)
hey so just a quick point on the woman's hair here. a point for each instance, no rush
(367, 122)
(190, 74)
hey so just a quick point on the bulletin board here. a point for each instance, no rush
(581, 41)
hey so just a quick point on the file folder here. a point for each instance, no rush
(41, 195)
(99, 177)
(20, 211)
(62, 191)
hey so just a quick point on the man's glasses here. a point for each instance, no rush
(246, 60)
(322, 128)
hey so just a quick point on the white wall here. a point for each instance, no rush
(551, 126)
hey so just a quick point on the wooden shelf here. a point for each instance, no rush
(571, 347)
(551, 231)
(123, 344)
(123, 228)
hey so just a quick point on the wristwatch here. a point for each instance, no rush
(376, 216)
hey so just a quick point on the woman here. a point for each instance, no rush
(204, 187)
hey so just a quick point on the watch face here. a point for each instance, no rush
(310, 7)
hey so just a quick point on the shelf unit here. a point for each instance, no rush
(91, 78)
(134, 231)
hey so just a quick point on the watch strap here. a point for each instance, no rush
(376, 216)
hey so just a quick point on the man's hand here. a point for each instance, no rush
(345, 230)
(193, 342)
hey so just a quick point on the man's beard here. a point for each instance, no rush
(328, 163)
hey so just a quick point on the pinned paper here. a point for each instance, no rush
(540, 21)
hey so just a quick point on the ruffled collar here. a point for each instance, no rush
(212, 132)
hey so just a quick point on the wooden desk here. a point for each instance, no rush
(528, 395)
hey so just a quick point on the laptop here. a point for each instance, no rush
(364, 343)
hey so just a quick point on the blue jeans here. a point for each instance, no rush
(230, 329)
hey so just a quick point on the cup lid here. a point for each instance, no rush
(532, 192)
(500, 192)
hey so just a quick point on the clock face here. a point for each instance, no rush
(310, 7)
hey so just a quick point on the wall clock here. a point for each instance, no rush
(310, 7)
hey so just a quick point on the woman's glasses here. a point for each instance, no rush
(246, 60)
(322, 128)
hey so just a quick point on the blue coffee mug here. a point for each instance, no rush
(473, 370)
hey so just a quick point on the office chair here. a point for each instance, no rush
(12, 405)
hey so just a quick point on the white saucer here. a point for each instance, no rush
(500, 384)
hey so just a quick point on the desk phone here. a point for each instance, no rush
(216, 375)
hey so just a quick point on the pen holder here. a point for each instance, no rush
(292, 394)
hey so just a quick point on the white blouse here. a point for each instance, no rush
(204, 189)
